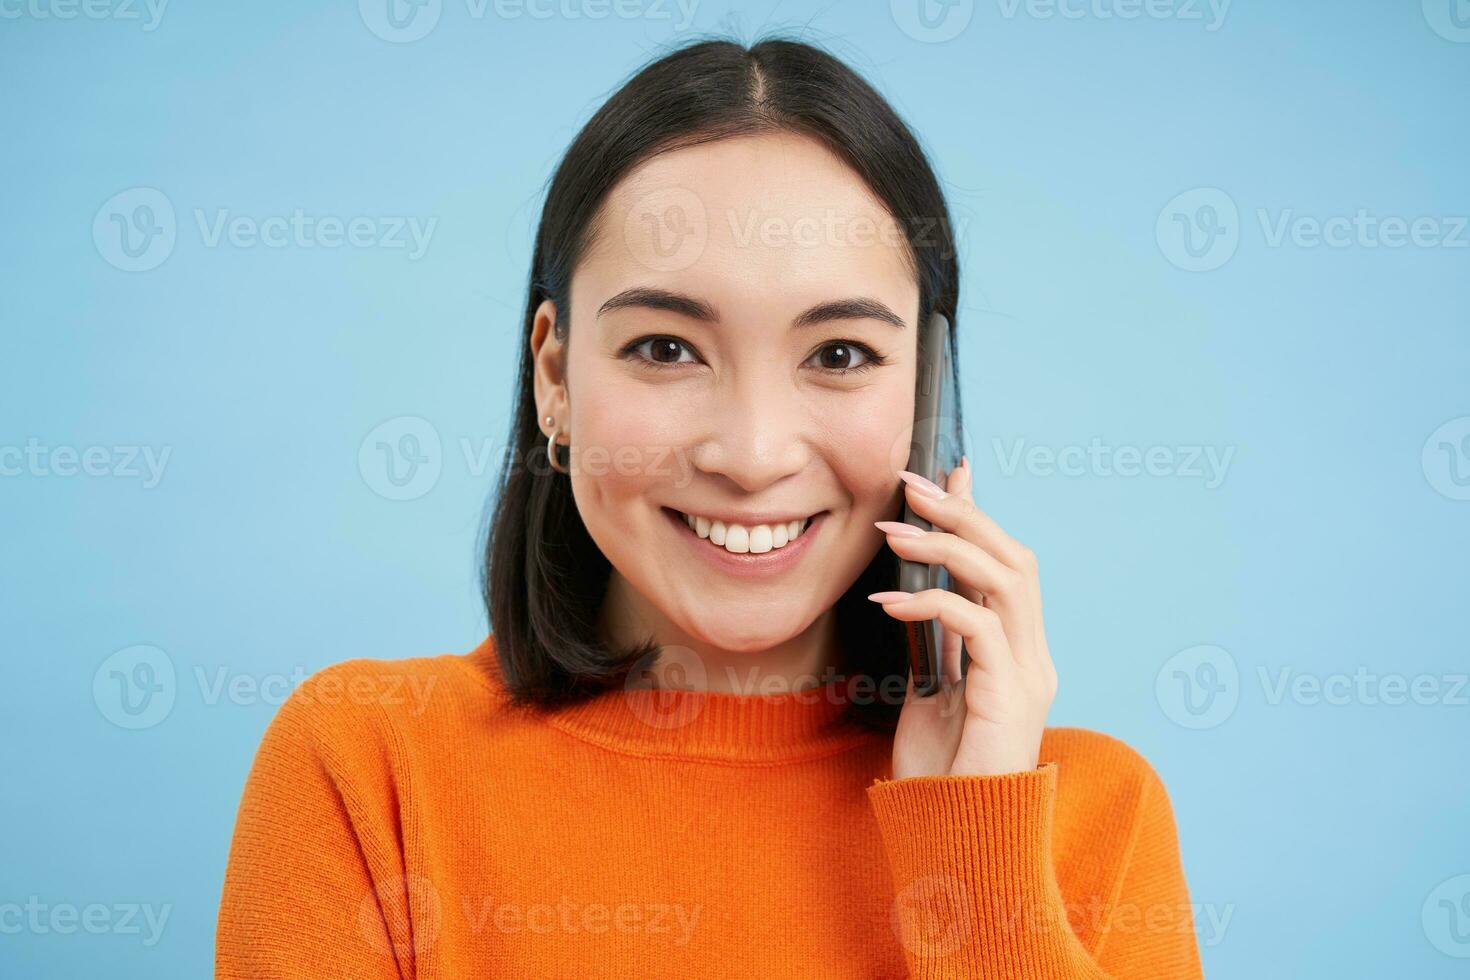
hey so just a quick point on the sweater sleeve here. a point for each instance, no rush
(305, 888)
(977, 892)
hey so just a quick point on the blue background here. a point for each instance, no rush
(268, 549)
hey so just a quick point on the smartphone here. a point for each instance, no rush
(933, 452)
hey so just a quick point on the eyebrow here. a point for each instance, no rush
(852, 308)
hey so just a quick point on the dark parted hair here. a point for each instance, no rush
(544, 578)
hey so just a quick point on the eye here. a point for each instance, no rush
(839, 355)
(663, 351)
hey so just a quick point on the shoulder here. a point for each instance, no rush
(369, 704)
(359, 743)
(1102, 761)
(1101, 770)
(1109, 795)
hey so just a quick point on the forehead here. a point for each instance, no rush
(763, 226)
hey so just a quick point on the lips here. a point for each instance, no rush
(746, 563)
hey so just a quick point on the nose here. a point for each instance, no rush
(755, 432)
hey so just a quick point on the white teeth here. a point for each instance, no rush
(739, 539)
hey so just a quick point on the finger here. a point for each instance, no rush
(961, 480)
(958, 512)
(1002, 546)
(952, 655)
(974, 569)
(980, 628)
(958, 481)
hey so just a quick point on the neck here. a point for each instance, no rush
(804, 661)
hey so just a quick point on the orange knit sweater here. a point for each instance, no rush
(402, 821)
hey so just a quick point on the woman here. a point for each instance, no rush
(688, 748)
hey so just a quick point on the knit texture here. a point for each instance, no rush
(402, 820)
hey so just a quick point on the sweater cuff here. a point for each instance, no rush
(971, 860)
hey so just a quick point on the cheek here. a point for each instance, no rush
(626, 441)
(867, 442)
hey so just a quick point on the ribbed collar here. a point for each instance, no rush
(740, 729)
(735, 729)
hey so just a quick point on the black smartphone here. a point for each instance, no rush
(933, 452)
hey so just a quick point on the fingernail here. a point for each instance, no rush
(886, 597)
(899, 528)
(965, 462)
(926, 487)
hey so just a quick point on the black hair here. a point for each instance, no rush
(544, 578)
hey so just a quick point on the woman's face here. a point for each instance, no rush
(742, 347)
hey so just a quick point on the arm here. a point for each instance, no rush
(299, 897)
(977, 893)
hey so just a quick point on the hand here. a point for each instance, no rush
(988, 721)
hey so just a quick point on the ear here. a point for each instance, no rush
(548, 366)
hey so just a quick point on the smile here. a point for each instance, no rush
(741, 539)
(747, 548)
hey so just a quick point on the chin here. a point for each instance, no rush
(743, 642)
